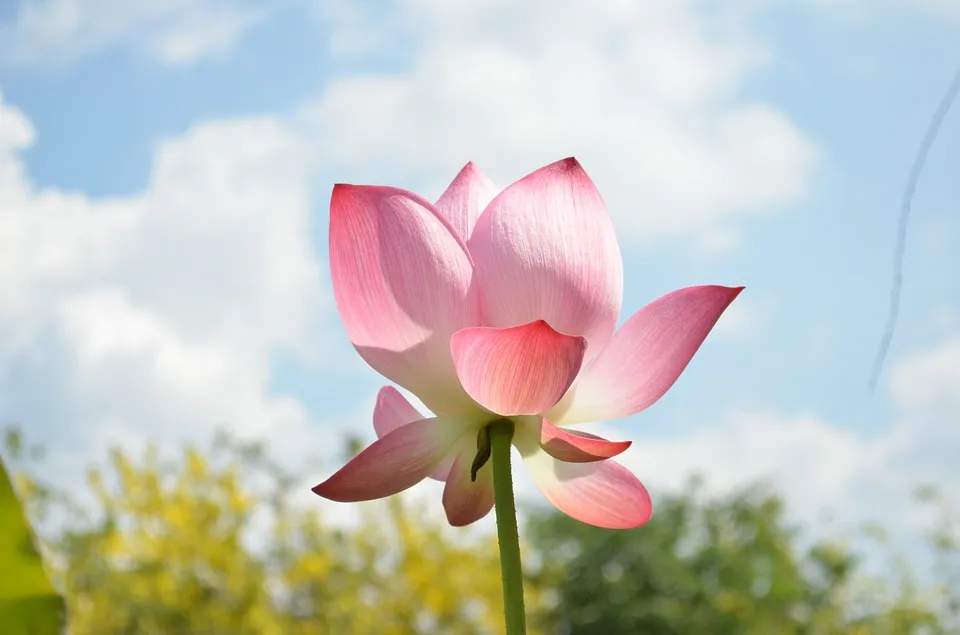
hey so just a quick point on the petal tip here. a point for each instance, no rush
(568, 165)
(332, 492)
(329, 490)
(340, 195)
(636, 524)
(468, 171)
(459, 521)
(387, 392)
(341, 188)
(637, 512)
(540, 324)
(575, 446)
(732, 293)
(543, 325)
(321, 490)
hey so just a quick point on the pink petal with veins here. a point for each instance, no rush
(397, 461)
(466, 197)
(402, 280)
(646, 356)
(393, 411)
(574, 446)
(467, 501)
(602, 493)
(515, 371)
(545, 249)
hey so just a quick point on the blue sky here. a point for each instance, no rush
(164, 176)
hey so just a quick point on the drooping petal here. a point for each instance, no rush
(466, 197)
(399, 460)
(601, 493)
(467, 501)
(545, 249)
(517, 371)
(392, 411)
(646, 356)
(402, 282)
(575, 446)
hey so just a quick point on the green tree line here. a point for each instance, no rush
(211, 543)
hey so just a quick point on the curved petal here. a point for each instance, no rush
(545, 249)
(466, 501)
(440, 472)
(646, 356)
(466, 197)
(402, 280)
(516, 371)
(602, 493)
(392, 411)
(393, 463)
(574, 446)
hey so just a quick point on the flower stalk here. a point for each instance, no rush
(511, 571)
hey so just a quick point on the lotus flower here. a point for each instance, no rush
(491, 305)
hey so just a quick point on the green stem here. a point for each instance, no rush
(501, 434)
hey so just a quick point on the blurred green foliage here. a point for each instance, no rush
(29, 604)
(211, 543)
(729, 566)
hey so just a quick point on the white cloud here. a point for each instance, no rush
(172, 31)
(816, 466)
(926, 387)
(820, 466)
(649, 95)
(157, 316)
(718, 242)
(930, 383)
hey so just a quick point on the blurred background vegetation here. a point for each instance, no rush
(211, 543)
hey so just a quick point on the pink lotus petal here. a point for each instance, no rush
(574, 446)
(465, 501)
(402, 282)
(602, 493)
(442, 470)
(545, 249)
(468, 195)
(646, 356)
(393, 463)
(392, 411)
(520, 370)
